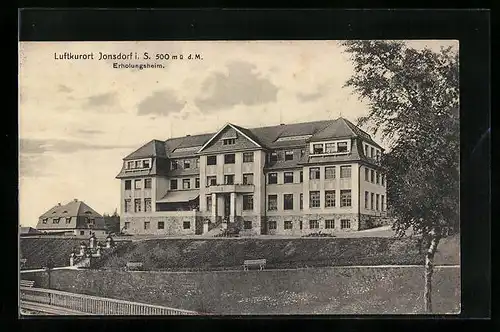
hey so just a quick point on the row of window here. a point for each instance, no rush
(186, 163)
(231, 158)
(160, 225)
(138, 164)
(90, 221)
(138, 184)
(372, 152)
(186, 184)
(313, 224)
(374, 176)
(314, 174)
(330, 147)
(138, 206)
(377, 201)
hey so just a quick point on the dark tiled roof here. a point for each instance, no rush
(155, 148)
(159, 166)
(76, 210)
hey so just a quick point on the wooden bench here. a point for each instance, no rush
(261, 263)
(26, 283)
(134, 265)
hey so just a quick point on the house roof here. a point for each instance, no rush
(179, 196)
(154, 148)
(73, 215)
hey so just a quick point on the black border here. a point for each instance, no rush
(470, 27)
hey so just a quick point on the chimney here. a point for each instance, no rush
(75, 200)
(282, 124)
(188, 135)
(59, 204)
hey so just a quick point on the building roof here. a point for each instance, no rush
(179, 196)
(28, 230)
(154, 148)
(76, 211)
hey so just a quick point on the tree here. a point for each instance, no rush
(413, 101)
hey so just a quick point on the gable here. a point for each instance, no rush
(230, 138)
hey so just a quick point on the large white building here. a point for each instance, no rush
(289, 179)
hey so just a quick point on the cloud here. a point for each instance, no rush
(40, 146)
(240, 86)
(64, 88)
(162, 102)
(89, 131)
(31, 165)
(104, 99)
(305, 97)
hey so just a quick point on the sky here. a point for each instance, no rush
(79, 118)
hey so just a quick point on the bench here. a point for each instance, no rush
(261, 263)
(26, 283)
(134, 265)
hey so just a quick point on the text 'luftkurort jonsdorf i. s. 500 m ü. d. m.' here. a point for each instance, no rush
(126, 56)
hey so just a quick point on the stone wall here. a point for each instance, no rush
(367, 221)
(173, 225)
(256, 225)
(321, 218)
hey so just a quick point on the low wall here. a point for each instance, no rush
(304, 291)
(173, 223)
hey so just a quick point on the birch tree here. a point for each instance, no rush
(413, 100)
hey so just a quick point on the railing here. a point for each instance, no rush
(96, 305)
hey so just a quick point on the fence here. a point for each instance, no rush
(96, 305)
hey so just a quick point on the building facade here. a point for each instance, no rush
(73, 218)
(294, 179)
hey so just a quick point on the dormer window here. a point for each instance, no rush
(130, 165)
(55, 220)
(173, 164)
(229, 141)
(342, 147)
(138, 164)
(330, 148)
(145, 163)
(187, 164)
(273, 157)
(318, 148)
(288, 155)
(44, 220)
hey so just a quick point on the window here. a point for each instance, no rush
(367, 174)
(173, 164)
(173, 184)
(272, 224)
(288, 201)
(377, 200)
(371, 201)
(288, 177)
(302, 153)
(161, 225)
(345, 198)
(273, 157)
(197, 182)
(330, 148)
(248, 157)
(197, 163)
(342, 147)
(229, 158)
(378, 155)
(68, 220)
(382, 201)
(186, 183)
(137, 205)
(288, 155)
(330, 198)
(55, 220)
(301, 176)
(287, 224)
(247, 202)
(128, 205)
(372, 152)
(229, 141)
(212, 160)
(147, 183)
(146, 224)
(147, 204)
(366, 150)
(378, 178)
(229, 179)
(138, 164)
(345, 172)
(372, 177)
(314, 199)
(272, 202)
(272, 178)
(314, 173)
(209, 202)
(300, 224)
(345, 224)
(83, 232)
(247, 224)
(248, 178)
(366, 199)
(137, 184)
(382, 179)
(301, 201)
(130, 164)
(187, 164)
(317, 148)
(145, 163)
(211, 180)
(186, 225)
(330, 172)
(330, 223)
(128, 184)
(126, 226)
(313, 224)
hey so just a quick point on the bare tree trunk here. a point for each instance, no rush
(429, 270)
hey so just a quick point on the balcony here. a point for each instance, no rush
(231, 188)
